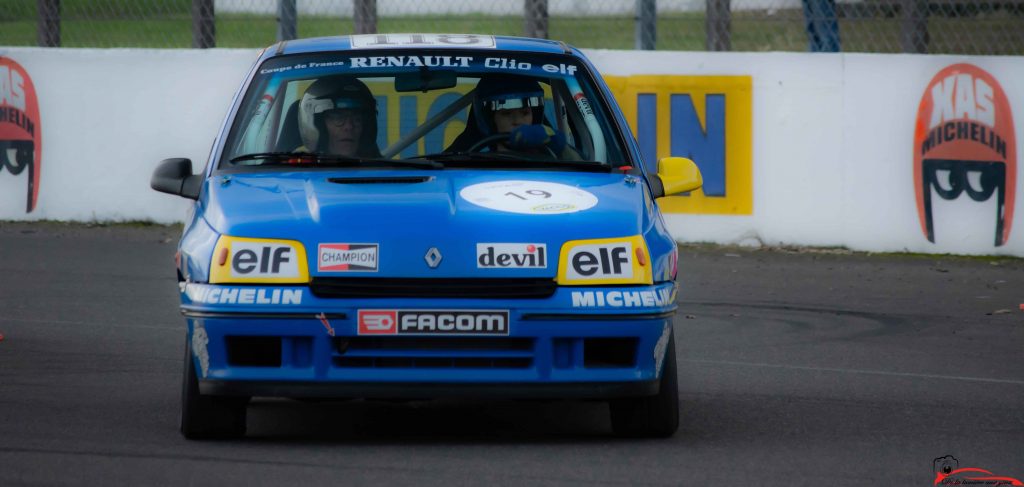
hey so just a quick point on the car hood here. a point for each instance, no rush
(406, 213)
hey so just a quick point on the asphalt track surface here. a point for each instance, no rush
(795, 368)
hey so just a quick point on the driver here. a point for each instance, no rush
(515, 106)
(338, 116)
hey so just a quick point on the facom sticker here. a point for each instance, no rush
(433, 322)
(529, 197)
(377, 321)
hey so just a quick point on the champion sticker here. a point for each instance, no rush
(344, 257)
(529, 197)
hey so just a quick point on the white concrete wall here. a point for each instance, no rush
(109, 116)
(833, 148)
(832, 140)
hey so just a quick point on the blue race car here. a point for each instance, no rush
(423, 216)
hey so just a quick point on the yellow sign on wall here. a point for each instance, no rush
(706, 118)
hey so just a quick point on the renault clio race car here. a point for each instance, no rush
(375, 222)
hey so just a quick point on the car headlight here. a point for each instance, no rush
(264, 260)
(623, 260)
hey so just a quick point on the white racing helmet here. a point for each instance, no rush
(336, 93)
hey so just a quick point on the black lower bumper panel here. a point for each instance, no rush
(378, 390)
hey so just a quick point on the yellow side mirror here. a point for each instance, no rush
(677, 175)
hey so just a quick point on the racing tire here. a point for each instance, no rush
(654, 416)
(208, 417)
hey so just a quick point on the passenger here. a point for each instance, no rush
(513, 106)
(338, 116)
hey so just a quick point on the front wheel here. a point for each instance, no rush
(208, 417)
(654, 416)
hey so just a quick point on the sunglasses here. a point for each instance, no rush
(15, 156)
(990, 177)
(341, 117)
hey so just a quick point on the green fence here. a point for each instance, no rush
(927, 26)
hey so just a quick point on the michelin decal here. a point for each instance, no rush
(651, 298)
(202, 294)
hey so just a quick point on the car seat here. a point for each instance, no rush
(289, 139)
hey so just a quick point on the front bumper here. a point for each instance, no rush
(598, 345)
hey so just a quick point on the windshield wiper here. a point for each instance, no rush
(308, 159)
(470, 156)
(517, 160)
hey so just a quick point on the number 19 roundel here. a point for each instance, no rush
(965, 130)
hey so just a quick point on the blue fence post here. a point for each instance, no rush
(718, 25)
(535, 22)
(204, 32)
(914, 26)
(646, 24)
(286, 20)
(822, 25)
(48, 25)
(365, 16)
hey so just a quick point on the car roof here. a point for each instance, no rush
(345, 43)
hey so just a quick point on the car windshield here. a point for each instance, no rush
(424, 109)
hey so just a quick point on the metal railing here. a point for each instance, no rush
(917, 26)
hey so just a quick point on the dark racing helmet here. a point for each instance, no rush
(506, 93)
(498, 93)
(337, 93)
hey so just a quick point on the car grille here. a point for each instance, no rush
(433, 352)
(334, 287)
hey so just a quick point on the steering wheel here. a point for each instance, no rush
(490, 139)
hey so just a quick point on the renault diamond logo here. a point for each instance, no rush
(433, 257)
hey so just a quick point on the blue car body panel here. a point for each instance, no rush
(316, 338)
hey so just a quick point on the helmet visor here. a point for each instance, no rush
(321, 105)
(512, 101)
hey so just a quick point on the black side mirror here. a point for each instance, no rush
(174, 176)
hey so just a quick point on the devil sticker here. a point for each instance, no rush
(20, 132)
(964, 144)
